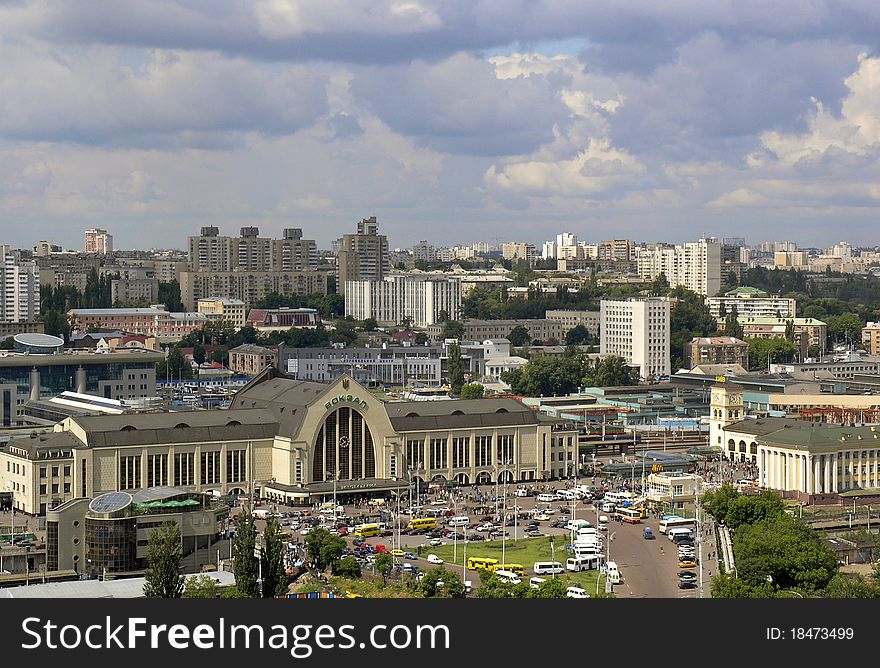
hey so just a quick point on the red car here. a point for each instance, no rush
(381, 549)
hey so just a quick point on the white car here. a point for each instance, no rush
(434, 559)
(304, 532)
(434, 542)
(576, 592)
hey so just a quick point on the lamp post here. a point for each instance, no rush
(869, 518)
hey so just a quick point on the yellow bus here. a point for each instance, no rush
(513, 568)
(422, 524)
(367, 530)
(630, 515)
(475, 563)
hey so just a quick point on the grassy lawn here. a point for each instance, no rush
(525, 551)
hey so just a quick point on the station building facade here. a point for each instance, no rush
(294, 441)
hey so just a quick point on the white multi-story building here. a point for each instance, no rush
(391, 301)
(751, 303)
(548, 250)
(843, 250)
(694, 265)
(424, 251)
(637, 330)
(223, 308)
(98, 241)
(19, 287)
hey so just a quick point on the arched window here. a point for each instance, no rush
(233, 423)
(344, 444)
(128, 427)
(412, 415)
(502, 410)
(181, 425)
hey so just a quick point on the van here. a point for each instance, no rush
(522, 491)
(587, 550)
(679, 531)
(459, 521)
(508, 576)
(577, 525)
(608, 507)
(546, 498)
(647, 533)
(548, 567)
(536, 582)
(576, 592)
(612, 572)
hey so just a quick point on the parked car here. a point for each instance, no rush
(687, 563)
(533, 533)
(687, 584)
(434, 559)
(409, 555)
(397, 553)
(434, 542)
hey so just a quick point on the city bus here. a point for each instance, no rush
(368, 530)
(671, 521)
(630, 515)
(513, 568)
(422, 524)
(474, 563)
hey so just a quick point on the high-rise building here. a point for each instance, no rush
(695, 265)
(98, 241)
(548, 250)
(45, 248)
(19, 287)
(618, 249)
(363, 256)
(250, 252)
(637, 330)
(424, 251)
(519, 251)
(395, 299)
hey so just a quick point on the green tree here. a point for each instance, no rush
(272, 560)
(659, 286)
(347, 567)
(162, 577)
(246, 566)
(725, 585)
(689, 317)
(455, 369)
(519, 336)
(731, 324)
(851, 585)
(57, 323)
(552, 588)
(384, 564)
(452, 330)
(369, 325)
(752, 509)
(174, 366)
(344, 332)
(200, 586)
(440, 582)
(169, 294)
(613, 371)
(323, 548)
(472, 391)
(491, 586)
(421, 339)
(548, 376)
(199, 354)
(577, 335)
(775, 350)
(717, 502)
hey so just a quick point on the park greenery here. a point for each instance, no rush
(549, 376)
(777, 555)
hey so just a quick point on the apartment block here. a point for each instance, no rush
(718, 350)
(249, 286)
(363, 256)
(871, 337)
(637, 330)
(98, 241)
(19, 287)
(695, 265)
(519, 251)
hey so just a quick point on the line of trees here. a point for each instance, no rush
(549, 376)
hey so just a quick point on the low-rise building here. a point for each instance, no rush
(751, 303)
(672, 493)
(281, 319)
(250, 359)
(153, 321)
(718, 350)
(223, 308)
(809, 331)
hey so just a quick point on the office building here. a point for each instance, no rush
(638, 331)
(109, 534)
(695, 265)
(153, 321)
(363, 256)
(294, 442)
(40, 371)
(226, 309)
(19, 287)
(98, 241)
(751, 303)
(419, 299)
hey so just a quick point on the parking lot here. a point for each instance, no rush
(646, 569)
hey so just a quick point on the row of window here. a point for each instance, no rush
(184, 469)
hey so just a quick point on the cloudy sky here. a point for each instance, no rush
(450, 120)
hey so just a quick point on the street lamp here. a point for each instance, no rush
(335, 477)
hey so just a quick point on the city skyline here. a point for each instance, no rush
(456, 122)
